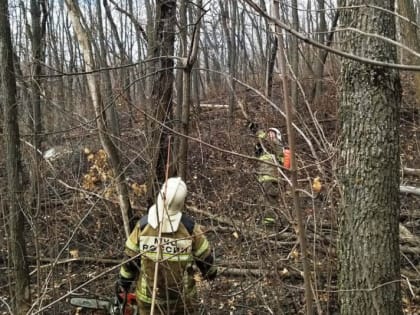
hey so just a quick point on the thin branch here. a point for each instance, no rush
(133, 19)
(337, 52)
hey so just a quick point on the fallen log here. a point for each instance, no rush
(411, 171)
(407, 237)
(214, 106)
(410, 190)
(285, 273)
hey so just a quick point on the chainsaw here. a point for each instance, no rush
(122, 304)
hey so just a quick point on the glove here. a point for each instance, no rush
(258, 150)
(211, 274)
(124, 283)
(253, 127)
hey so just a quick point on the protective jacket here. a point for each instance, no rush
(270, 151)
(179, 251)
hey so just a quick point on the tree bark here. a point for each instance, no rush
(17, 245)
(368, 249)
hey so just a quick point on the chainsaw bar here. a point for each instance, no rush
(90, 303)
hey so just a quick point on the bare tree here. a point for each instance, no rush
(272, 48)
(368, 247)
(17, 245)
(294, 55)
(107, 143)
(141, 36)
(229, 10)
(409, 37)
(293, 165)
(319, 64)
(111, 110)
(321, 58)
(188, 60)
(124, 73)
(36, 36)
(161, 49)
(36, 32)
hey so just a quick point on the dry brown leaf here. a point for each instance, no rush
(74, 253)
(316, 184)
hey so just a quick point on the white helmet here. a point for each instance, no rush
(169, 204)
(278, 134)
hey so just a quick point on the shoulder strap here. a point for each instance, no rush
(188, 223)
(143, 222)
(186, 220)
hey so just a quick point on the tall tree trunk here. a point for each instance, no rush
(161, 99)
(124, 75)
(111, 110)
(319, 64)
(56, 37)
(189, 59)
(368, 249)
(181, 64)
(17, 245)
(293, 166)
(229, 27)
(272, 44)
(294, 56)
(37, 36)
(107, 144)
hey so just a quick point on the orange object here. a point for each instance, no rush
(286, 158)
(130, 302)
(316, 184)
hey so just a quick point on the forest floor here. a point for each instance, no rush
(79, 236)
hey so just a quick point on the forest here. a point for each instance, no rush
(101, 101)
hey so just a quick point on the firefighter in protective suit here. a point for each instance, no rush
(182, 243)
(270, 149)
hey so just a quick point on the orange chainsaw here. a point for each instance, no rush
(123, 304)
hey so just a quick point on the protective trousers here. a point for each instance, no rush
(270, 201)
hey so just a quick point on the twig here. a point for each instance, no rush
(52, 261)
